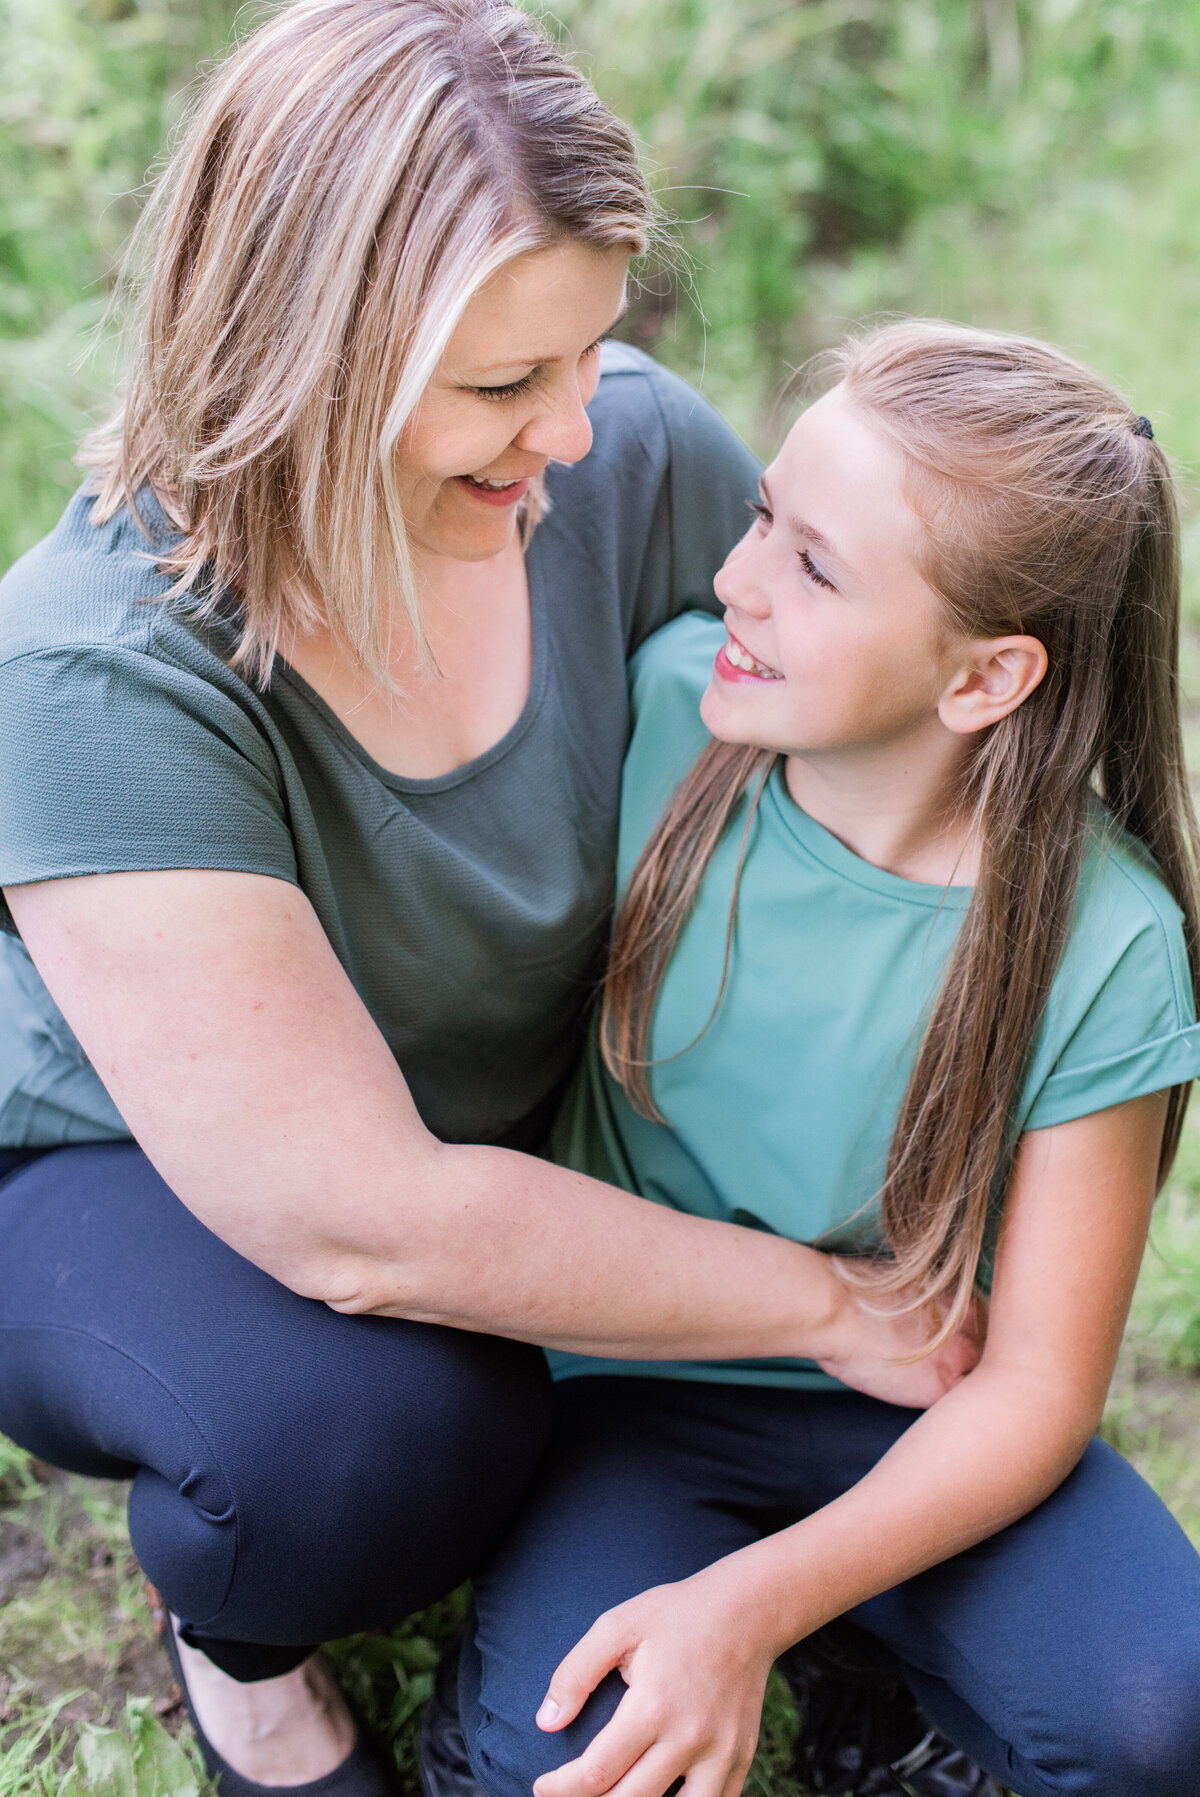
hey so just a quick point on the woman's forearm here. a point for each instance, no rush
(985, 1455)
(506, 1243)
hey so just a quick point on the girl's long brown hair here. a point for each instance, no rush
(1048, 511)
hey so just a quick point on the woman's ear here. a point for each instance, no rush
(993, 678)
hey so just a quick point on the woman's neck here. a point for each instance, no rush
(895, 805)
(477, 619)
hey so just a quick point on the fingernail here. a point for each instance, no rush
(549, 1714)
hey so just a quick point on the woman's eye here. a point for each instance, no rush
(762, 512)
(814, 573)
(511, 389)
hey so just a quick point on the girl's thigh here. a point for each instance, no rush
(1063, 1654)
(624, 1501)
(297, 1474)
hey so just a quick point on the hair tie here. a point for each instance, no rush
(1143, 428)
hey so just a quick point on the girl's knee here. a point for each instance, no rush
(1154, 1733)
(1139, 1739)
(510, 1756)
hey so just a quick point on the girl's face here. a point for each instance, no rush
(836, 642)
(508, 397)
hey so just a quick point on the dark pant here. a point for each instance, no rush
(1063, 1654)
(297, 1474)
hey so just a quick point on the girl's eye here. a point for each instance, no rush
(814, 573)
(511, 390)
(762, 512)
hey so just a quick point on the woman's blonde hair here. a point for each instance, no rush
(1048, 511)
(349, 178)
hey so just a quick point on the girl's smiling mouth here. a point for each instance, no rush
(735, 662)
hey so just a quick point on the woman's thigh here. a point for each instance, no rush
(1063, 1653)
(298, 1474)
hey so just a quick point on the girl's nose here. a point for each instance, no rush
(739, 583)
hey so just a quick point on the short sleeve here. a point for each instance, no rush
(1137, 1032)
(712, 477)
(114, 760)
(701, 511)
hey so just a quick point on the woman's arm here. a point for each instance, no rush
(696, 1654)
(245, 1064)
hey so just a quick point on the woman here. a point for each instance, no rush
(311, 753)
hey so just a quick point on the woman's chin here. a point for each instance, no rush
(473, 536)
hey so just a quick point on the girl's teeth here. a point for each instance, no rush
(741, 658)
(494, 486)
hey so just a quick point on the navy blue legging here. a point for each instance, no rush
(297, 1474)
(1063, 1654)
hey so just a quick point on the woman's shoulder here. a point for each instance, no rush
(83, 586)
(642, 403)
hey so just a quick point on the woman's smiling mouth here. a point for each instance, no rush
(495, 492)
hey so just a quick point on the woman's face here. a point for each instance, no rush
(836, 641)
(508, 397)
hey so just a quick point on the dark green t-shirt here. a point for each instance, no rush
(467, 910)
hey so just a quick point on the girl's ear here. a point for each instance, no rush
(993, 678)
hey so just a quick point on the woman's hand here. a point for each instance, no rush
(696, 1668)
(870, 1357)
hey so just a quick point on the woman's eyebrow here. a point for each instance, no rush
(800, 527)
(544, 361)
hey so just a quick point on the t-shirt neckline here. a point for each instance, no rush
(824, 847)
(479, 764)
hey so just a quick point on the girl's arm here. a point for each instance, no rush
(215, 1011)
(696, 1654)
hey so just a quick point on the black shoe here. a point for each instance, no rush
(361, 1775)
(862, 1732)
(443, 1764)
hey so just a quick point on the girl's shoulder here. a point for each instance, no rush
(667, 678)
(1121, 1019)
(673, 666)
(1122, 894)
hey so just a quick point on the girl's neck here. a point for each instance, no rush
(895, 806)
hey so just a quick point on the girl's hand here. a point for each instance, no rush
(872, 1345)
(696, 1672)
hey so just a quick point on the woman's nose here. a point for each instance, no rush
(561, 430)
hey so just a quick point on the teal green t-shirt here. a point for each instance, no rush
(780, 1114)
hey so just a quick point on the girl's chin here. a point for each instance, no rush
(727, 719)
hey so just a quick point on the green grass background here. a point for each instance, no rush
(1031, 164)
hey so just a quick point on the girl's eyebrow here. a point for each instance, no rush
(543, 361)
(800, 527)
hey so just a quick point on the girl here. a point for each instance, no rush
(906, 968)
